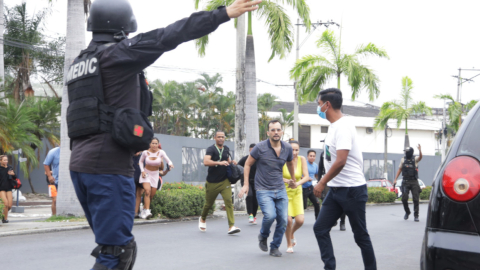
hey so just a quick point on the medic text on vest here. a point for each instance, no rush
(82, 69)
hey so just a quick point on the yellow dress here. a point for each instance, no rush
(295, 197)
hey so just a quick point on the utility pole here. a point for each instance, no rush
(295, 100)
(385, 159)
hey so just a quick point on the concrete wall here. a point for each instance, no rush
(174, 147)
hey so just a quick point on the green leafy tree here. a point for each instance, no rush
(401, 110)
(265, 104)
(313, 71)
(286, 119)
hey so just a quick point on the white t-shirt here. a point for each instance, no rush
(342, 135)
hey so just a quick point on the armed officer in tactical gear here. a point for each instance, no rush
(409, 169)
(107, 115)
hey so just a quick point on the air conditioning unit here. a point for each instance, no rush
(369, 130)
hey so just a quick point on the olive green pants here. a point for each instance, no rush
(211, 192)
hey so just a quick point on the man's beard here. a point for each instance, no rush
(276, 139)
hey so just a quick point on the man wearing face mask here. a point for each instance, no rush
(343, 163)
(409, 169)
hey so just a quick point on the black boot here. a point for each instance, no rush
(262, 243)
(406, 216)
(275, 252)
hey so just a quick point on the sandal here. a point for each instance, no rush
(234, 230)
(201, 225)
(290, 250)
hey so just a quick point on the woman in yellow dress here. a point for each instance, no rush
(294, 192)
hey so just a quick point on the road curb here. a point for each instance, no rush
(395, 203)
(82, 227)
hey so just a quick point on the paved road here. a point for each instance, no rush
(180, 245)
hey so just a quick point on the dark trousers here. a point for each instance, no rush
(308, 195)
(352, 201)
(252, 203)
(324, 194)
(108, 202)
(407, 186)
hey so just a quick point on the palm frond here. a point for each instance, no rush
(406, 93)
(371, 49)
(421, 108)
(444, 96)
(329, 43)
(280, 28)
(303, 10)
(470, 105)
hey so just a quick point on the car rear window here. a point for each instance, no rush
(374, 184)
(470, 144)
(388, 184)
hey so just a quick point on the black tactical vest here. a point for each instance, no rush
(409, 170)
(87, 113)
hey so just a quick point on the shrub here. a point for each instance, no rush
(1, 208)
(425, 194)
(177, 200)
(380, 195)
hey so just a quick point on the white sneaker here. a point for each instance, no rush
(148, 213)
(143, 214)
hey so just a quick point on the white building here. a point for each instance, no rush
(314, 129)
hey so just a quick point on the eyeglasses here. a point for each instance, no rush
(275, 130)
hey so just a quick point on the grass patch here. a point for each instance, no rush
(64, 219)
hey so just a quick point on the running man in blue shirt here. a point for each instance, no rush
(308, 186)
(51, 165)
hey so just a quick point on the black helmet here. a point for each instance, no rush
(409, 152)
(111, 16)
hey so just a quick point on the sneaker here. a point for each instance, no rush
(254, 221)
(275, 252)
(417, 219)
(250, 219)
(406, 216)
(262, 243)
(148, 213)
(143, 214)
(4, 220)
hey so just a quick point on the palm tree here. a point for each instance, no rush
(401, 110)
(281, 42)
(455, 111)
(313, 71)
(2, 63)
(286, 119)
(67, 202)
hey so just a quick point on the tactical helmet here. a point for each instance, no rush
(409, 152)
(111, 16)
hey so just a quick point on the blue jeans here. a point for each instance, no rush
(352, 201)
(108, 202)
(274, 205)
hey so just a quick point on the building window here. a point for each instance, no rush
(324, 130)
(304, 136)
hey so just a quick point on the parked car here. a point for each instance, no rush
(452, 231)
(381, 182)
(398, 186)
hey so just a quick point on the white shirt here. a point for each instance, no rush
(342, 135)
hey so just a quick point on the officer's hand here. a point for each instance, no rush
(239, 7)
(419, 147)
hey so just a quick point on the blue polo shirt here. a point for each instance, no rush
(312, 170)
(53, 160)
(269, 174)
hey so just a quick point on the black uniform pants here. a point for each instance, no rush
(308, 195)
(252, 203)
(407, 186)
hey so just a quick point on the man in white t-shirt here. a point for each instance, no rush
(343, 163)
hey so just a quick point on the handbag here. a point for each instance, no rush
(234, 173)
(16, 183)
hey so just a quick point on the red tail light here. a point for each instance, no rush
(461, 179)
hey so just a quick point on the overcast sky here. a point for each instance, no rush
(426, 40)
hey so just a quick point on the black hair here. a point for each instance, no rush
(252, 145)
(155, 138)
(310, 151)
(272, 122)
(292, 141)
(218, 132)
(333, 95)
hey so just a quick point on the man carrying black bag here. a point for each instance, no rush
(107, 116)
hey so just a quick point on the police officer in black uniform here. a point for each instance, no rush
(107, 115)
(409, 169)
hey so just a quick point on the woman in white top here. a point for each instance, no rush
(150, 173)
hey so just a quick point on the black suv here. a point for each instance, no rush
(452, 240)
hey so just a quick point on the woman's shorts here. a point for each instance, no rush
(295, 201)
